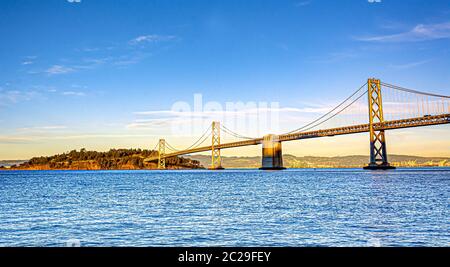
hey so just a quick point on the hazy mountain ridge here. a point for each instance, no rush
(354, 161)
(9, 163)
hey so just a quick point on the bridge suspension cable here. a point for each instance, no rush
(308, 126)
(156, 145)
(234, 134)
(206, 134)
(411, 90)
(337, 113)
(171, 148)
(401, 102)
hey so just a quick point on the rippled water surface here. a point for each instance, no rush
(226, 208)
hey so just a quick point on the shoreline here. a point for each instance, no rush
(225, 169)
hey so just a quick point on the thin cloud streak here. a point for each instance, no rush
(7, 139)
(59, 69)
(152, 38)
(421, 32)
(233, 112)
(119, 60)
(15, 96)
(336, 57)
(73, 93)
(43, 128)
(302, 3)
(409, 65)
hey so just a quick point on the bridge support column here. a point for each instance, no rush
(272, 155)
(216, 160)
(161, 152)
(378, 153)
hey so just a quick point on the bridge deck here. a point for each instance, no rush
(387, 125)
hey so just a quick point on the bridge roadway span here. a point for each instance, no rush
(386, 125)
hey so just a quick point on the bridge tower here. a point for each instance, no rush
(161, 152)
(216, 160)
(378, 153)
(272, 155)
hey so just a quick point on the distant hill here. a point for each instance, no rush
(356, 161)
(9, 163)
(114, 159)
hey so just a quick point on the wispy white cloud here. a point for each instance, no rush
(243, 112)
(42, 128)
(302, 3)
(34, 138)
(85, 64)
(9, 139)
(29, 60)
(121, 60)
(78, 86)
(421, 32)
(335, 57)
(128, 57)
(409, 65)
(152, 38)
(158, 119)
(59, 69)
(90, 49)
(90, 64)
(15, 96)
(73, 93)
(161, 122)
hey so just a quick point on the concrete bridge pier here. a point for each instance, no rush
(272, 155)
(216, 168)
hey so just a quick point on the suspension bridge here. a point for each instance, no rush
(374, 108)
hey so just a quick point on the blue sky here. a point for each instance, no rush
(77, 73)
